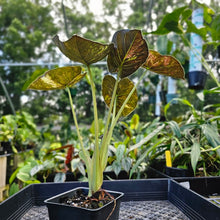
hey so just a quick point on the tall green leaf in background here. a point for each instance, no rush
(171, 22)
(211, 133)
(195, 154)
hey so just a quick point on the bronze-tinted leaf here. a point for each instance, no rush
(130, 52)
(83, 50)
(165, 65)
(124, 87)
(58, 78)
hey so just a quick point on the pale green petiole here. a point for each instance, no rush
(104, 149)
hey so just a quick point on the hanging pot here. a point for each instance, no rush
(197, 79)
(59, 210)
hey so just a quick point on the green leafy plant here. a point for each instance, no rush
(52, 163)
(19, 130)
(127, 154)
(127, 52)
(179, 22)
(195, 141)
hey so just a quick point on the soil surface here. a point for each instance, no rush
(80, 199)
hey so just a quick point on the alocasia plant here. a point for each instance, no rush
(127, 52)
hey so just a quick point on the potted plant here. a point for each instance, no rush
(195, 141)
(17, 132)
(127, 52)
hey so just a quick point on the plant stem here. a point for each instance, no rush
(127, 99)
(97, 175)
(96, 120)
(104, 145)
(75, 118)
(109, 134)
(84, 155)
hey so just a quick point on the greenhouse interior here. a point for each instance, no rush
(109, 109)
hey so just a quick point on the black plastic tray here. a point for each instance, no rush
(190, 203)
(208, 187)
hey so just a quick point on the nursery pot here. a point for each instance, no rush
(176, 172)
(197, 79)
(60, 211)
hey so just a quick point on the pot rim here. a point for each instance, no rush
(49, 202)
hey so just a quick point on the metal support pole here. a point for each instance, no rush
(7, 96)
(158, 99)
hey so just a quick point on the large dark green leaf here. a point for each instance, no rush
(171, 22)
(124, 87)
(165, 65)
(215, 28)
(83, 50)
(192, 28)
(130, 52)
(58, 78)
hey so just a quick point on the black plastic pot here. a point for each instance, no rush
(177, 172)
(205, 186)
(5, 147)
(197, 79)
(170, 172)
(58, 211)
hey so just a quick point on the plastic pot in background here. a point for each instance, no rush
(207, 187)
(197, 80)
(177, 172)
(160, 167)
(58, 211)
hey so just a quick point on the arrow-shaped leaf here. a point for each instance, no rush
(58, 78)
(124, 88)
(165, 65)
(129, 54)
(82, 50)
